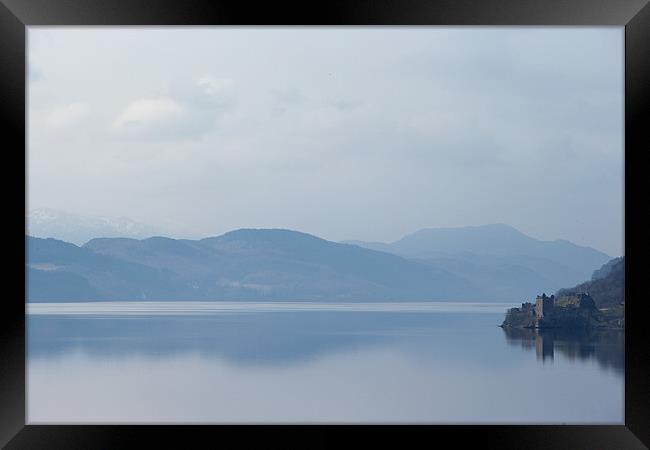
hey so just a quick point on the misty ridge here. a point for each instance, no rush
(482, 263)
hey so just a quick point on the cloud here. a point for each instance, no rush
(189, 110)
(215, 86)
(208, 95)
(290, 96)
(347, 104)
(149, 113)
(66, 116)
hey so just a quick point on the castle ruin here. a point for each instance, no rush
(543, 305)
(576, 310)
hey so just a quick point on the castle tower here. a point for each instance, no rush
(543, 305)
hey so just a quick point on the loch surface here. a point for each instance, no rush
(305, 362)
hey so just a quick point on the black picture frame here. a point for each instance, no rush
(16, 15)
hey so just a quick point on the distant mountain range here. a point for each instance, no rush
(505, 262)
(490, 263)
(79, 229)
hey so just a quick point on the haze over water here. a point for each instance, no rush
(312, 362)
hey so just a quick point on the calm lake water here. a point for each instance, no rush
(227, 362)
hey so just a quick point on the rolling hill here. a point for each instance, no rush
(492, 263)
(239, 265)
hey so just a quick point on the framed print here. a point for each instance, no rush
(244, 217)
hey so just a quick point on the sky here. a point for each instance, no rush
(365, 133)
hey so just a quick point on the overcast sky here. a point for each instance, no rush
(345, 133)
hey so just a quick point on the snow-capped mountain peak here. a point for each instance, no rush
(78, 228)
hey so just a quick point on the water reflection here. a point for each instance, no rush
(313, 366)
(262, 338)
(606, 347)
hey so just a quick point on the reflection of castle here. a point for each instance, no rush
(607, 347)
(544, 346)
